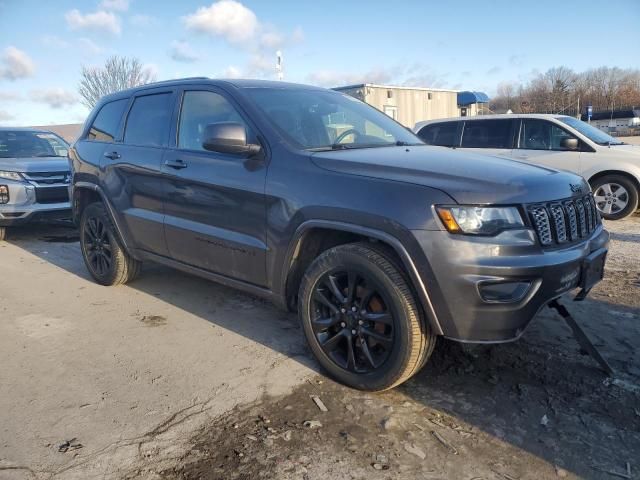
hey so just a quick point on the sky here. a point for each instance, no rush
(458, 44)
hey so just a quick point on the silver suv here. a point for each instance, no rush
(34, 177)
(611, 167)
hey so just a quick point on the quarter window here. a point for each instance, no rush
(542, 135)
(105, 126)
(440, 134)
(199, 109)
(148, 121)
(487, 134)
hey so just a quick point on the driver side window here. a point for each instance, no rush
(536, 134)
(199, 109)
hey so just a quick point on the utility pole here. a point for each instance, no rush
(279, 66)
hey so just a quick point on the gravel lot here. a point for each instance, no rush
(175, 377)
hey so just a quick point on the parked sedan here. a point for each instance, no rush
(34, 177)
(612, 167)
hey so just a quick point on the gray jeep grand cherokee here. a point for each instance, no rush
(319, 202)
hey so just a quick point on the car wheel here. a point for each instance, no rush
(3, 233)
(107, 262)
(616, 196)
(361, 318)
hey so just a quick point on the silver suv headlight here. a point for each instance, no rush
(479, 220)
(10, 175)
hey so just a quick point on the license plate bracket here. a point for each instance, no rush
(593, 269)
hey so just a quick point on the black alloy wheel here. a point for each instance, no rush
(351, 321)
(98, 247)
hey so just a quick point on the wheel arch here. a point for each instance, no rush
(316, 236)
(621, 173)
(85, 193)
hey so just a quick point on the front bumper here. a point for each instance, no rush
(463, 266)
(24, 208)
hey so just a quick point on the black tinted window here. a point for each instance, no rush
(199, 109)
(148, 121)
(105, 125)
(441, 134)
(487, 134)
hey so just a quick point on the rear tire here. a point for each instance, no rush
(616, 196)
(3, 233)
(105, 258)
(361, 319)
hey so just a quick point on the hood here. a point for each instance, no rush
(466, 177)
(37, 164)
(628, 151)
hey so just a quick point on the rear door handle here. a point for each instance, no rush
(112, 155)
(177, 164)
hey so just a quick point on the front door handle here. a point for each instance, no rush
(112, 155)
(177, 164)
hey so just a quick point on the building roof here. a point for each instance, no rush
(469, 98)
(375, 85)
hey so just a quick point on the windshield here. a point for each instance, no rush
(25, 144)
(592, 133)
(327, 120)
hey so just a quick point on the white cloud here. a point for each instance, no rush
(232, 72)
(89, 46)
(6, 116)
(100, 20)
(54, 97)
(119, 5)
(225, 18)
(182, 52)
(16, 64)
(298, 35)
(10, 97)
(141, 20)
(333, 78)
(272, 39)
(54, 41)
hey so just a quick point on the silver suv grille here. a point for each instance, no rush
(564, 221)
(47, 178)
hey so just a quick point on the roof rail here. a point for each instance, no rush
(174, 80)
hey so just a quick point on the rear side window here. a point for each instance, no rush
(105, 126)
(440, 134)
(487, 134)
(148, 121)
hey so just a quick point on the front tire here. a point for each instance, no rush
(616, 196)
(361, 319)
(105, 258)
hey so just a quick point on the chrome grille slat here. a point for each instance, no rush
(558, 222)
(582, 220)
(47, 178)
(564, 221)
(541, 221)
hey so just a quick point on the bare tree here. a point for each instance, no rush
(118, 73)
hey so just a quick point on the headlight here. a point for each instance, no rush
(10, 175)
(479, 220)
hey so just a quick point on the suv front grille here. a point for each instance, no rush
(564, 221)
(47, 178)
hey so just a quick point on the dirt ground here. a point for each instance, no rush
(534, 409)
(173, 377)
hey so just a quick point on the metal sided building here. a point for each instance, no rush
(407, 105)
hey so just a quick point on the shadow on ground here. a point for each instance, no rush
(541, 395)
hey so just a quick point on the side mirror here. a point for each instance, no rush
(569, 143)
(228, 137)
